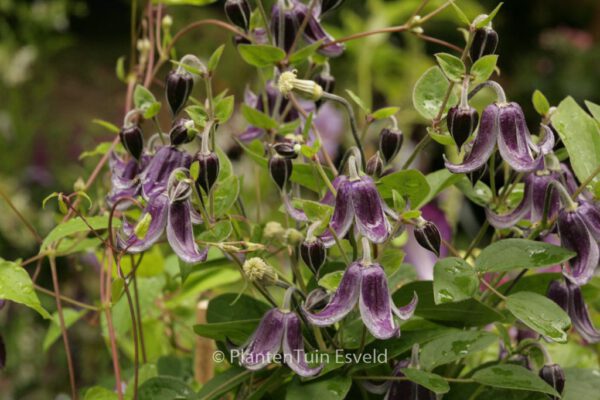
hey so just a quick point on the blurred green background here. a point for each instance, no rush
(57, 73)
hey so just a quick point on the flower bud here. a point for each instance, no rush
(238, 12)
(280, 169)
(178, 88)
(461, 123)
(285, 36)
(257, 270)
(428, 236)
(209, 170)
(133, 140)
(328, 5)
(313, 254)
(554, 376)
(182, 132)
(273, 230)
(390, 143)
(293, 236)
(485, 41)
(287, 149)
(375, 166)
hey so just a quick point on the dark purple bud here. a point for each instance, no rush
(284, 26)
(428, 236)
(313, 254)
(238, 12)
(329, 5)
(178, 88)
(286, 149)
(239, 39)
(390, 143)
(280, 169)
(375, 166)
(180, 132)
(133, 140)
(554, 376)
(462, 123)
(485, 41)
(209, 170)
(2, 353)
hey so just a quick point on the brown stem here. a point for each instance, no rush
(21, 216)
(105, 293)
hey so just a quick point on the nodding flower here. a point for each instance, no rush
(278, 331)
(504, 124)
(364, 283)
(568, 296)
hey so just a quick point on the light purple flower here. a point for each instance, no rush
(568, 296)
(278, 331)
(504, 125)
(366, 284)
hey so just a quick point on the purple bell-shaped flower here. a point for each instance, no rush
(568, 296)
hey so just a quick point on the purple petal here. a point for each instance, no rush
(180, 233)
(265, 342)
(558, 293)
(483, 144)
(294, 212)
(157, 208)
(591, 215)
(574, 235)
(375, 303)
(156, 175)
(314, 32)
(407, 311)
(501, 221)
(330, 124)
(329, 198)
(343, 214)
(514, 139)
(293, 348)
(368, 207)
(540, 185)
(545, 145)
(251, 133)
(342, 302)
(580, 317)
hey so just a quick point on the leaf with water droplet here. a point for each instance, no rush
(453, 280)
(540, 314)
(454, 346)
(429, 93)
(509, 376)
(511, 254)
(16, 285)
(433, 382)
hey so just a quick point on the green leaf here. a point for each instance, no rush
(358, 101)
(509, 376)
(489, 18)
(71, 316)
(218, 232)
(226, 193)
(452, 66)
(594, 110)
(237, 331)
(540, 103)
(441, 138)
(198, 114)
(229, 307)
(100, 393)
(184, 2)
(223, 383)
(305, 52)
(165, 388)
(433, 382)
(438, 181)
(331, 281)
(152, 110)
(326, 388)
(581, 136)
(385, 112)
(16, 285)
(454, 346)
(540, 314)
(483, 68)
(77, 225)
(581, 384)
(120, 69)
(463, 313)
(453, 280)
(316, 211)
(105, 124)
(142, 97)
(214, 59)
(258, 118)
(461, 15)
(224, 109)
(510, 254)
(100, 150)
(410, 183)
(429, 94)
(261, 55)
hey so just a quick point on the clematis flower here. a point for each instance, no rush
(504, 124)
(124, 178)
(579, 231)
(365, 283)
(568, 296)
(314, 31)
(537, 184)
(155, 177)
(278, 331)
(400, 390)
